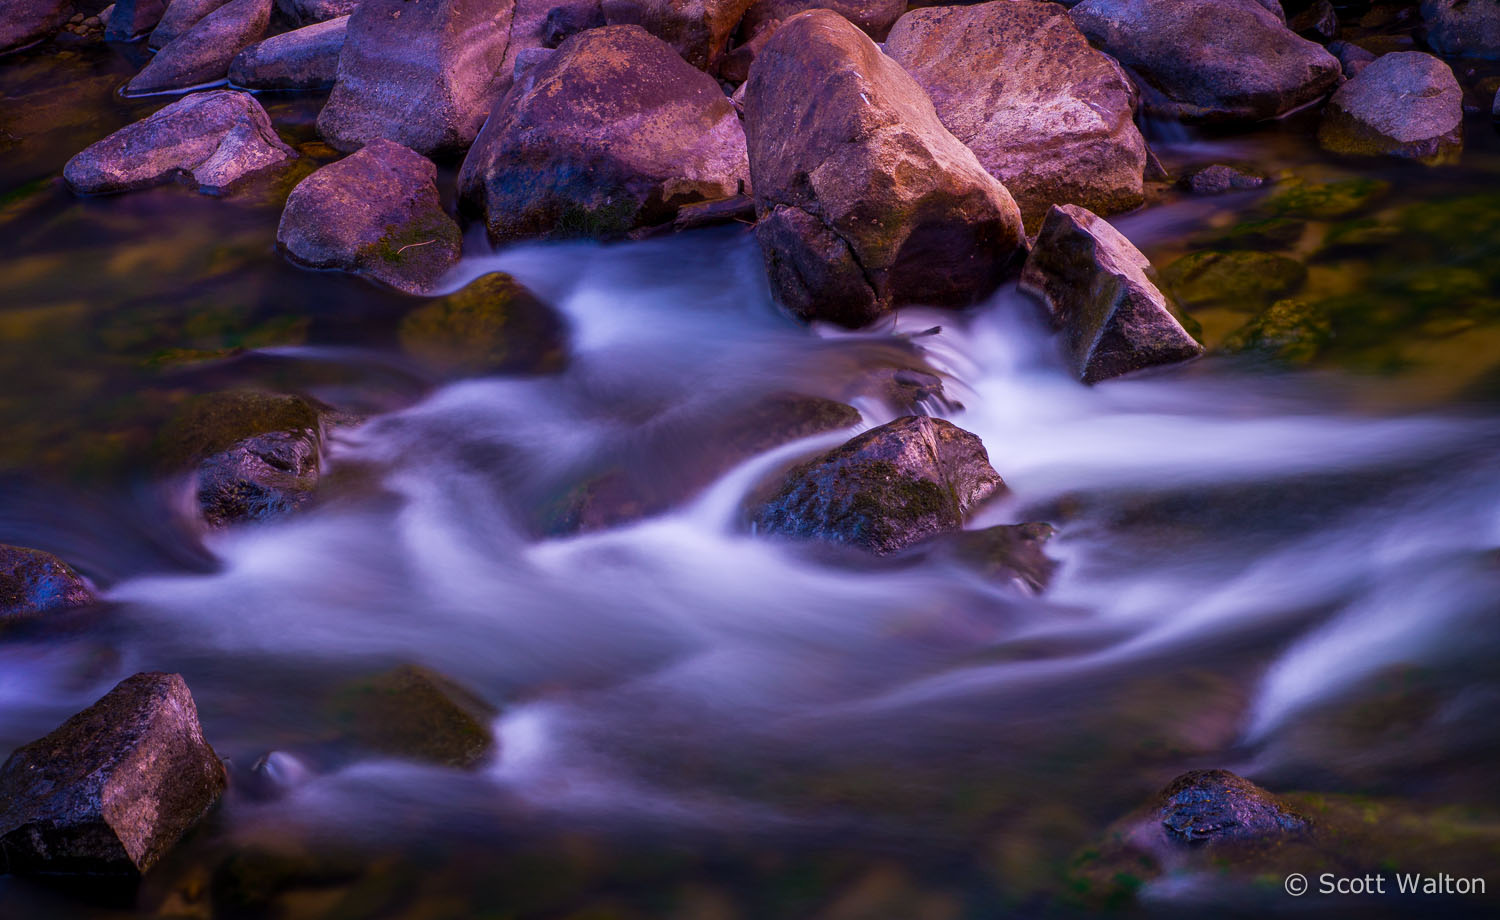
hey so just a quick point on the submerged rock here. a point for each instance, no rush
(1406, 105)
(1288, 330)
(1100, 292)
(492, 323)
(414, 713)
(1463, 28)
(26, 22)
(1008, 552)
(1046, 114)
(129, 18)
(613, 131)
(699, 30)
(113, 788)
(377, 213)
(1210, 60)
(215, 137)
(884, 490)
(1327, 200)
(305, 58)
(1220, 178)
(1239, 277)
(32, 582)
(179, 17)
(866, 201)
(202, 53)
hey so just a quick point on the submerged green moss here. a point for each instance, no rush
(1326, 200)
(1241, 279)
(1288, 330)
(206, 425)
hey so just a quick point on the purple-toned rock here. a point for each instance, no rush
(1351, 57)
(305, 58)
(26, 22)
(113, 788)
(376, 213)
(866, 201)
(202, 54)
(130, 18)
(612, 131)
(698, 29)
(421, 73)
(216, 138)
(307, 12)
(1219, 178)
(1046, 114)
(1216, 806)
(1406, 104)
(1463, 28)
(884, 490)
(560, 23)
(33, 582)
(179, 17)
(1100, 293)
(874, 17)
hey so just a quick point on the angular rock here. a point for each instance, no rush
(180, 16)
(26, 22)
(32, 582)
(415, 713)
(698, 29)
(493, 323)
(377, 213)
(1209, 60)
(1046, 114)
(202, 53)
(1463, 28)
(215, 137)
(564, 22)
(1406, 104)
(305, 58)
(113, 788)
(1220, 178)
(1100, 292)
(307, 12)
(866, 201)
(421, 73)
(130, 18)
(614, 131)
(874, 17)
(884, 490)
(1216, 806)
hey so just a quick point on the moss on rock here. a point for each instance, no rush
(1235, 278)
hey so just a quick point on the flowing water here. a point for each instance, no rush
(1290, 573)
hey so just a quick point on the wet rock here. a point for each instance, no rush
(307, 12)
(421, 73)
(216, 138)
(377, 213)
(739, 209)
(874, 17)
(1100, 291)
(202, 54)
(414, 713)
(130, 18)
(305, 58)
(1326, 200)
(32, 582)
(1234, 278)
(908, 390)
(1271, 233)
(492, 323)
(866, 201)
(1007, 552)
(1405, 105)
(179, 17)
(1213, 806)
(1045, 113)
(1289, 331)
(614, 132)
(563, 22)
(26, 22)
(1463, 28)
(1352, 57)
(884, 490)
(113, 788)
(1209, 60)
(1220, 178)
(699, 29)
(1319, 22)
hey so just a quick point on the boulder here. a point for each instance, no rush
(1045, 113)
(377, 213)
(178, 18)
(1406, 104)
(884, 490)
(421, 73)
(215, 137)
(305, 58)
(1463, 28)
(26, 22)
(414, 713)
(32, 582)
(130, 18)
(113, 788)
(202, 54)
(1220, 178)
(493, 323)
(1100, 291)
(698, 29)
(874, 17)
(866, 202)
(1351, 57)
(1210, 60)
(614, 131)
(562, 22)
(307, 12)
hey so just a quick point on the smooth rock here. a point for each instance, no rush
(1100, 291)
(417, 714)
(307, 12)
(614, 131)
(874, 17)
(1220, 178)
(421, 73)
(1209, 60)
(33, 582)
(202, 54)
(130, 18)
(698, 29)
(113, 788)
(1047, 115)
(1463, 28)
(25, 22)
(866, 201)
(216, 137)
(305, 58)
(884, 490)
(1352, 57)
(1406, 104)
(178, 18)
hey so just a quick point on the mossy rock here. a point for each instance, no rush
(1270, 233)
(1289, 330)
(210, 424)
(414, 713)
(1352, 237)
(1235, 278)
(492, 323)
(1326, 200)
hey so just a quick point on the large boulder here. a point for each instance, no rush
(202, 54)
(1463, 28)
(421, 73)
(611, 132)
(884, 490)
(307, 12)
(113, 788)
(26, 22)
(179, 17)
(1046, 114)
(1407, 104)
(1210, 60)
(32, 582)
(698, 29)
(866, 201)
(216, 138)
(1100, 292)
(130, 18)
(305, 58)
(875, 17)
(377, 213)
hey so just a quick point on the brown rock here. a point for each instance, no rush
(698, 29)
(305, 58)
(32, 582)
(202, 54)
